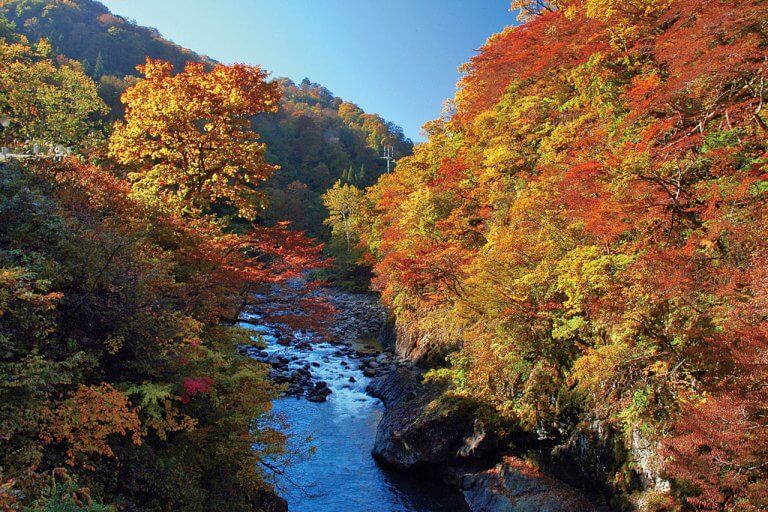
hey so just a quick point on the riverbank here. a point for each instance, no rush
(325, 378)
(352, 336)
(378, 426)
(591, 466)
(423, 427)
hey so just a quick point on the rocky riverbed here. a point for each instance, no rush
(361, 404)
(352, 338)
(325, 379)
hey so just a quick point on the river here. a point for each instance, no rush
(341, 475)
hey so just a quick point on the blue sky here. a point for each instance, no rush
(397, 58)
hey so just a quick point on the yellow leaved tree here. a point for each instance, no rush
(188, 139)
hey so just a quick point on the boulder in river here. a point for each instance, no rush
(420, 426)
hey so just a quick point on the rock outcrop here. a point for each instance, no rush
(421, 427)
(514, 485)
(410, 344)
(424, 427)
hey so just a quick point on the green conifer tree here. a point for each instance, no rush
(98, 67)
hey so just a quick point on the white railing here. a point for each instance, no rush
(35, 151)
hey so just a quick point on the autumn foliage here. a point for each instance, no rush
(120, 287)
(46, 100)
(584, 237)
(187, 137)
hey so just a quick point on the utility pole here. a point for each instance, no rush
(389, 156)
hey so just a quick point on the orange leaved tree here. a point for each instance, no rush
(188, 137)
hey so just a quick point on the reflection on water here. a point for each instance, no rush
(341, 476)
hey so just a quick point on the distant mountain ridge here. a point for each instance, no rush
(87, 31)
(316, 137)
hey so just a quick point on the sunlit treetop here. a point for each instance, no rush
(47, 99)
(188, 140)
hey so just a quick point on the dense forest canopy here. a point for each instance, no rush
(318, 139)
(585, 237)
(121, 279)
(315, 137)
(86, 31)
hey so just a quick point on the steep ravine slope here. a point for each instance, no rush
(580, 246)
(424, 428)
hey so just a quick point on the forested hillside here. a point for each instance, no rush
(315, 137)
(574, 265)
(121, 279)
(318, 139)
(86, 31)
(585, 239)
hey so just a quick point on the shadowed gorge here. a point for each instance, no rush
(221, 290)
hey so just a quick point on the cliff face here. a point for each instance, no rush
(500, 469)
(422, 426)
(416, 345)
